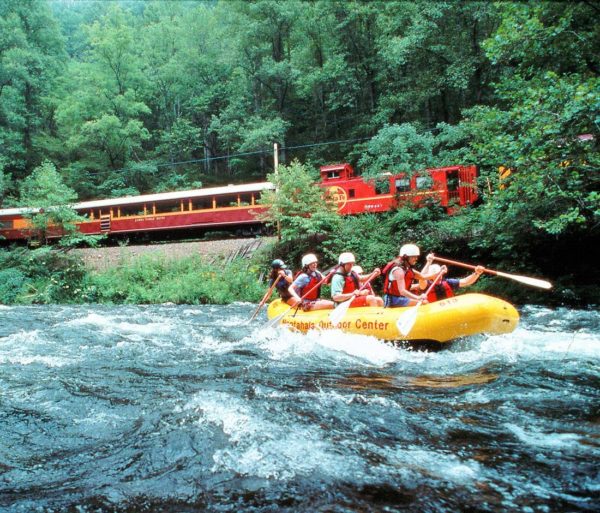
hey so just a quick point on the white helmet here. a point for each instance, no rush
(409, 250)
(357, 269)
(309, 259)
(435, 268)
(346, 258)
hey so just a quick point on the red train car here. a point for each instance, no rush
(451, 187)
(237, 205)
(216, 207)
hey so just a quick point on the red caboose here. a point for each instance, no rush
(452, 187)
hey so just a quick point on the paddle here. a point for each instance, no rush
(275, 320)
(527, 280)
(407, 319)
(265, 298)
(338, 313)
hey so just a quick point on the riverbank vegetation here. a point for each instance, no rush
(45, 276)
(132, 97)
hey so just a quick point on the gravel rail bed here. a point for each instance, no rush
(108, 257)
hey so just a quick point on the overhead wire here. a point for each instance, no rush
(260, 152)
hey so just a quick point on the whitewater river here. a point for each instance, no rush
(186, 409)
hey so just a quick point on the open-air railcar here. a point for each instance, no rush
(214, 208)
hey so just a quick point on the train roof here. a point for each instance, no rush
(150, 198)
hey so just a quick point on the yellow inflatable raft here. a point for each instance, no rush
(442, 321)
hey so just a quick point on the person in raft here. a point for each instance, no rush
(359, 270)
(446, 287)
(306, 288)
(278, 268)
(399, 275)
(345, 284)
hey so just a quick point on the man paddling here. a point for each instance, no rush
(346, 284)
(446, 287)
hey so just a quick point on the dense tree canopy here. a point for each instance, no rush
(141, 96)
(109, 90)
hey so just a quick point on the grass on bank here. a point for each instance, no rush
(190, 280)
(45, 276)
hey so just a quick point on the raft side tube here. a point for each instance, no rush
(442, 321)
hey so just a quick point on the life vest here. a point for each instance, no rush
(351, 282)
(390, 287)
(313, 292)
(440, 291)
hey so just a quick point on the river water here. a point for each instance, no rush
(185, 409)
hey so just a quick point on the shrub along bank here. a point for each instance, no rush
(45, 276)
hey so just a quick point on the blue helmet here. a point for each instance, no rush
(278, 264)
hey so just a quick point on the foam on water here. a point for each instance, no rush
(436, 464)
(115, 325)
(554, 441)
(48, 361)
(30, 348)
(282, 343)
(22, 339)
(326, 399)
(259, 447)
(526, 344)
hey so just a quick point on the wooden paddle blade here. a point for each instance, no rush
(527, 280)
(407, 320)
(254, 314)
(339, 312)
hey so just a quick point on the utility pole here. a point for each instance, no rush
(276, 170)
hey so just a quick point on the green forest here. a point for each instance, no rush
(109, 98)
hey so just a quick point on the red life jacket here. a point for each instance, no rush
(440, 291)
(351, 282)
(391, 288)
(311, 286)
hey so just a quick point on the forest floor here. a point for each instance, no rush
(108, 257)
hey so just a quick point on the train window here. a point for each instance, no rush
(424, 182)
(382, 185)
(201, 203)
(227, 200)
(452, 180)
(6, 225)
(131, 210)
(403, 184)
(245, 199)
(165, 207)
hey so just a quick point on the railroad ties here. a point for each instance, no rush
(244, 251)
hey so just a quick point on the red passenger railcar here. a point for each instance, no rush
(216, 207)
(451, 187)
